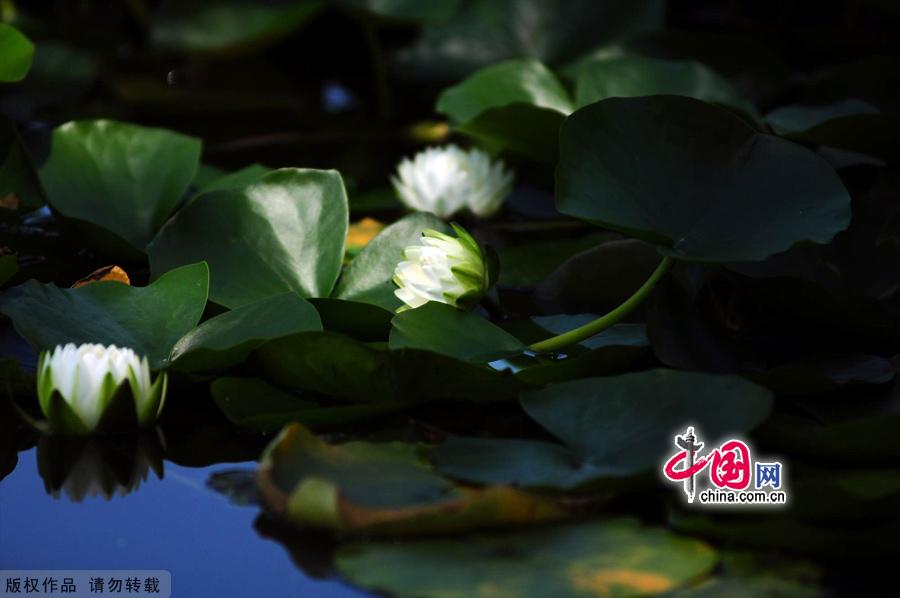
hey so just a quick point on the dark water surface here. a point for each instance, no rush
(176, 523)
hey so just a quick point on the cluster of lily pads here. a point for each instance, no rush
(254, 295)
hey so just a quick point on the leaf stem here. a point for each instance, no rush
(576, 335)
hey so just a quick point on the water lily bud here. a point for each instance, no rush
(80, 387)
(443, 268)
(445, 180)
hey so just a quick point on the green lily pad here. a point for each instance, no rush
(368, 278)
(613, 557)
(336, 365)
(614, 427)
(485, 32)
(492, 103)
(215, 180)
(633, 76)
(794, 119)
(521, 81)
(527, 265)
(148, 319)
(380, 488)
(225, 340)
(123, 178)
(444, 329)
(362, 321)
(695, 180)
(408, 10)
(229, 25)
(18, 176)
(16, 51)
(284, 232)
(256, 405)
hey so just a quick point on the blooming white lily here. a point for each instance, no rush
(445, 180)
(77, 384)
(443, 268)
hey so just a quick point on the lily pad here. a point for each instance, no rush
(225, 340)
(614, 427)
(444, 329)
(215, 180)
(17, 51)
(520, 81)
(229, 25)
(148, 319)
(613, 557)
(492, 103)
(123, 178)
(18, 177)
(381, 488)
(368, 278)
(256, 405)
(336, 365)
(695, 180)
(633, 76)
(485, 32)
(284, 232)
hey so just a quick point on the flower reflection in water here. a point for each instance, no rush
(92, 466)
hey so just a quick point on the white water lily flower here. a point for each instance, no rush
(77, 384)
(445, 180)
(443, 268)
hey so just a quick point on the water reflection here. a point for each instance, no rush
(80, 467)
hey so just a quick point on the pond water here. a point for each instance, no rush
(211, 546)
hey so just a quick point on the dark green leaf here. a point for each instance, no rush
(613, 427)
(254, 404)
(695, 179)
(16, 52)
(368, 278)
(120, 177)
(18, 176)
(444, 329)
(633, 76)
(148, 319)
(335, 365)
(614, 557)
(225, 340)
(228, 25)
(216, 181)
(284, 232)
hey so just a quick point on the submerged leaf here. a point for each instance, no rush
(381, 488)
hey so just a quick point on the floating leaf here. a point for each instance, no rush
(381, 488)
(521, 81)
(8, 267)
(368, 278)
(16, 53)
(695, 180)
(217, 180)
(634, 76)
(19, 181)
(225, 340)
(485, 32)
(362, 321)
(336, 365)
(148, 319)
(121, 177)
(284, 232)
(613, 557)
(613, 427)
(229, 25)
(257, 405)
(444, 329)
(408, 10)
(492, 103)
